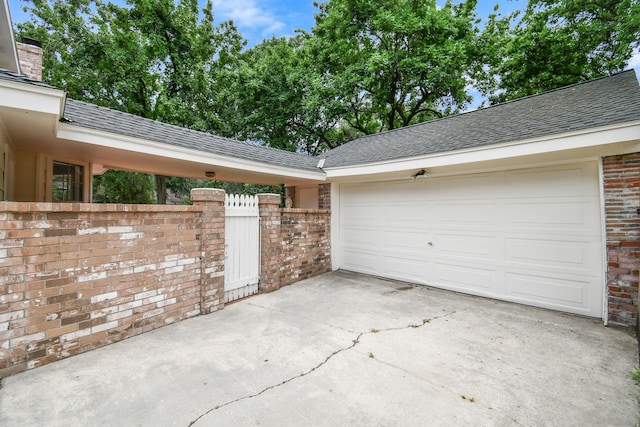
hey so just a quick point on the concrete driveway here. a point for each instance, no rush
(344, 349)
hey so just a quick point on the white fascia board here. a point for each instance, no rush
(626, 135)
(122, 142)
(28, 97)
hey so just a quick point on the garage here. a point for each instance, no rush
(531, 236)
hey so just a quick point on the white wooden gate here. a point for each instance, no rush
(242, 247)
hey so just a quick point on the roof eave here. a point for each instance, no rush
(72, 132)
(620, 138)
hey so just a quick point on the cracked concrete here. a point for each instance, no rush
(344, 349)
(354, 343)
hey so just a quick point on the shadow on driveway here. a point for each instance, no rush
(344, 349)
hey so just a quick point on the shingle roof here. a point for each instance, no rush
(100, 118)
(604, 101)
(108, 120)
(20, 78)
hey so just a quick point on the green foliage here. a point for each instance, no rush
(561, 42)
(365, 67)
(635, 374)
(278, 103)
(180, 188)
(158, 59)
(391, 63)
(123, 187)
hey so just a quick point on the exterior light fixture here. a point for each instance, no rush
(420, 174)
(210, 174)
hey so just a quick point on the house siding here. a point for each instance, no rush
(621, 183)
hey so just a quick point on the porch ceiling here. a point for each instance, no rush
(41, 132)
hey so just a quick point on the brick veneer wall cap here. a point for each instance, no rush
(269, 199)
(207, 195)
(27, 207)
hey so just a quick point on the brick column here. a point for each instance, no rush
(324, 196)
(621, 176)
(290, 195)
(211, 201)
(271, 244)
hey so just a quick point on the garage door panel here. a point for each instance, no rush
(360, 236)
(360, 214)
(404, 268)
(470, 247)
(565, 216)
(484, 186)
(531, 236)
(465, 214)
(465, 278)
(551, 254)
(576, 180)
(362, 262)
(553, 292)
(403, 191)
(405, 241)
(361, 193)
(405, 214)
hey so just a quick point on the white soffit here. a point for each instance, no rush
(627, 135)
(96, 137)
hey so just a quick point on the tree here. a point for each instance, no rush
(391, 63)
(560, 42)
(277, 101)
(116, 187)
(153, 58)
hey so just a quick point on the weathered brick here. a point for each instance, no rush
(621, 195)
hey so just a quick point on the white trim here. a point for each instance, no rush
(8, 25)
(31, 97)
(618, 134)
(336, 260)
(122, 142)
(603, 244)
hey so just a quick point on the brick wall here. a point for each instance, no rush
(296, 243)
(305, 236)
(621, 175)
(74, 277)
(324, 196)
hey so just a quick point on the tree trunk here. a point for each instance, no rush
(161, 189)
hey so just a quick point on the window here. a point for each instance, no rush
(68, 182)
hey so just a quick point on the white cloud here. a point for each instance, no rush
(247, 14)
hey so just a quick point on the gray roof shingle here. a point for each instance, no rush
(599, 102)
(105, 119)
(604, 101)
(100, 118)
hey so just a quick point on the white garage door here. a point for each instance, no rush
(530, 236)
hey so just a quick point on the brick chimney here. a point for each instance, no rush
(30, 56)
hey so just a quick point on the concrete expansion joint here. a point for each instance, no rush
(353, 344)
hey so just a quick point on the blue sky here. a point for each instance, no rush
(260, 19)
